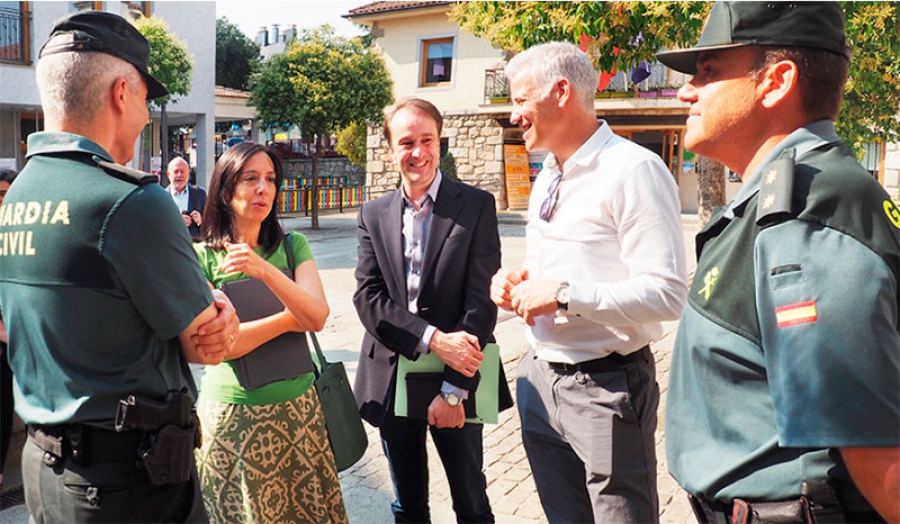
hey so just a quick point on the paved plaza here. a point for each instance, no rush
(367, 486)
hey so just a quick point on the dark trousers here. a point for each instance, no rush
(6, 406)
(589, 438)
(66, 492)
(461, 453)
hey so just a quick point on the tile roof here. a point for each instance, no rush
(386, 7)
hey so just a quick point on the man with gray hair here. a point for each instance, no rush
(189, 198)
(604, 266)
(102, 295)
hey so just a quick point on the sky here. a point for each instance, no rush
(251, 16)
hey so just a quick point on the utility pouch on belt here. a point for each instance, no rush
(171, 434)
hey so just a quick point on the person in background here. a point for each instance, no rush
(268, 441)
(190, 199)
(784, 390)
(103, 297)
(426, 255)
(7, 176)
(604, 267)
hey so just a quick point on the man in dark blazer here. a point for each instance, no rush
(190, 199)
(426, 256)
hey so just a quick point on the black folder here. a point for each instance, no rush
(284, 357)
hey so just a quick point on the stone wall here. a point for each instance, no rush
(476, 143)
(331, 166)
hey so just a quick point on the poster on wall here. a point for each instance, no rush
(518, 179)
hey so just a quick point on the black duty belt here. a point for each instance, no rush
(85, 443)
(794, 511)
(611, 362)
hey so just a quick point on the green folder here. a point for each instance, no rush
(486, 396)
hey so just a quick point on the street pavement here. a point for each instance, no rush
(367, 486)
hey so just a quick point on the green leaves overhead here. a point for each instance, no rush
(322, 82)
(639, 29)
(170, 61)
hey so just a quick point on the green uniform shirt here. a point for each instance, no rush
(220, 382)
(789, 345)
(97, 280)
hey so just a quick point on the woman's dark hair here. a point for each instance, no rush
(8, 175)
(218, 215)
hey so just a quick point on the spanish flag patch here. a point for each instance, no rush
(794, 314)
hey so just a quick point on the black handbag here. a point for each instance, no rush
(345, 428)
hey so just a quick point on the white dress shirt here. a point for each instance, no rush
(615, 236)
(180, 198)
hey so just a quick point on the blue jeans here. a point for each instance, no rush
(461, 453)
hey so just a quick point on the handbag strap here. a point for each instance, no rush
(323, 363)
(289, 253)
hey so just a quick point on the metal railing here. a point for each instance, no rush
(661, 82)
(496, 89)
(13, 34)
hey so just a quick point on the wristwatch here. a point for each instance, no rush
(451, 398)
(562, 296)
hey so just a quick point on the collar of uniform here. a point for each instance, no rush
(803, 139)
(47, 142)
(432, 191)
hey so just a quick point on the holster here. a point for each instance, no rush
(168, 454)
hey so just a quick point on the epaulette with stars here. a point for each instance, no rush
(776, 188)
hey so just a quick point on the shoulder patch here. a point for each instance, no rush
(776, 188)
(124, 173)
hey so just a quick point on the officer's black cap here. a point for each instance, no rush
(735, 24)
(108, 33)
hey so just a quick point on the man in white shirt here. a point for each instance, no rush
(190, 199)
(604, 266)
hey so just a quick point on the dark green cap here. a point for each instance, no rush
(736, 24)
(108, 33)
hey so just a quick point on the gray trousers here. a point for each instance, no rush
(589, 438)
(65, 492)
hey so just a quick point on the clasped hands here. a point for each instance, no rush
(462, 352)
(529, 299)
(217, 337)
(194, 217)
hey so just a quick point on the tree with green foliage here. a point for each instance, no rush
(351, 142)
(237, 57)
(322, 83)
(171, 64)
(872, 94)
(610, 31)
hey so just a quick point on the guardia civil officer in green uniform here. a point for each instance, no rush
(784, 393)
(102, 295)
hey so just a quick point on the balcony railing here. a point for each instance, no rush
(660, 84)
(14, 34)
(496, 90)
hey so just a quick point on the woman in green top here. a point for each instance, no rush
(265, 455)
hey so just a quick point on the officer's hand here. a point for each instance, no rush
(186, 218)
(534, 298)
(242, 259)
(217, 338)
(196, 217)
(443, 415)
(502, 285)
(459, 350)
